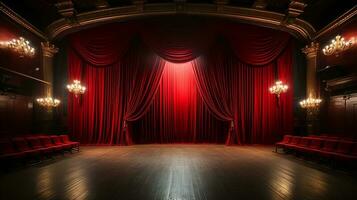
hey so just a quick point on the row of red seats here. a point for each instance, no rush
(35, 146)
(330, 148)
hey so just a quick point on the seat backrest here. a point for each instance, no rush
(329, 145)
(286, 139)
(304, 142)
(315, 143)
(34, 142)
(295, 140)
(56, 139)
(46, 141)
(21, 144)
(344, 147)
(6, 146)
(65, 138)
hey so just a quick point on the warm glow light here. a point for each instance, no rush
(311, 104)
(76, 88)
(337, 45)
(48, 102)
(278, 88)
(20, 46)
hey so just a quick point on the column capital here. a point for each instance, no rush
(48, 49)
(311, 50)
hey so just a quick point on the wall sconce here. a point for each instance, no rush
(19, 46)
(278, 88)
(338, 45)
(76, 88)
(311, 104)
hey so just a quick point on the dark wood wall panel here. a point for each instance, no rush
(341, 118)
(17, 91)
(16, 115)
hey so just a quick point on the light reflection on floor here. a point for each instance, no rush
(176, 172)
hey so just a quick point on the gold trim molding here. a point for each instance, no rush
(350, 15)
(300, 29)
(21, 21)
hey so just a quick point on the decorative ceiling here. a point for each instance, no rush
(318, 13)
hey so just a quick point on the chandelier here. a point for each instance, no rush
(311, 104)
(337, 45)
(278, 88)
(48, 102)
(76, 88)
(20, 46)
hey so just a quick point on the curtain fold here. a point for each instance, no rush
(232, 76)
(177, 113)
(255, 45)
(105, 47)
(238, 92)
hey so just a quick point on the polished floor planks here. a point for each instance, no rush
(177, 172)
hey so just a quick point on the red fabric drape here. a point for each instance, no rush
(177, 113)
(115, 94)
(122, 79)
(178, 40)
(104, 47)
(96, 117)
(238, 92)
(255, 45)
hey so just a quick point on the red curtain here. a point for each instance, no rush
(116, 94)
(255, 45)
(238, 92)
(232, 81)
(177, 113)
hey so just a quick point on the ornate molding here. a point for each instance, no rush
(350, 15)
(21, 21)
(300, 29)
(311, 51)
(48, 49)
(65, 8)
(295, 9)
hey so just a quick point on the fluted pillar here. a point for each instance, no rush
(311, 67)
(48, 51)
(311, 85)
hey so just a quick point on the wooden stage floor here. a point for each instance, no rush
(177, 172)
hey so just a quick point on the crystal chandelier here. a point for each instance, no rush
(76, 88)
(278, 88)
(337, 45)
(20, 46)
(48, 102)
(311, 104)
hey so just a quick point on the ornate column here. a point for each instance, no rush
(311, 68)
(311, 84)
(48, 51)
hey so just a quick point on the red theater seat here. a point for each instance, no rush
(328, 148)
(8, 152)
(66, 140)
(35, 143)
(303, 144)
(46, 142)
(57, 141)
(22, 146)
(286, 140)
(295, 140)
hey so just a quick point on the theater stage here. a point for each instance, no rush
(176, 172)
